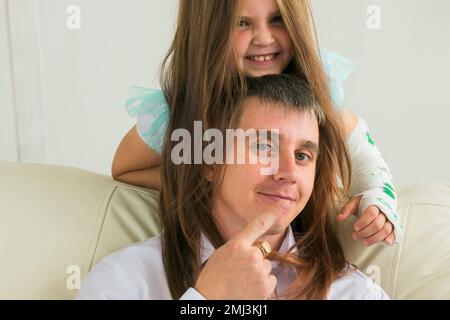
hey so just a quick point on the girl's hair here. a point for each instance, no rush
(201, 83)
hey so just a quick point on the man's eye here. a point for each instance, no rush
(302, 156)
(263, 147)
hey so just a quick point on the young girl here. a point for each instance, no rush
(210, 51)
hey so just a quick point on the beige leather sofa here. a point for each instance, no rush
(57, 222)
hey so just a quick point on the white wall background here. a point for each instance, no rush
(401, 86)
(70, 85)
(62, 91)
(8, 138)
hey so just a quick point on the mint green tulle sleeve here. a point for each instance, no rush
(337, 68)
(152, 112)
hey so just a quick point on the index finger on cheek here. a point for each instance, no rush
(256, 228)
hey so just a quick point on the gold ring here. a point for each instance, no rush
(264, 246)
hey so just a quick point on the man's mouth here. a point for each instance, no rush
(277, 196)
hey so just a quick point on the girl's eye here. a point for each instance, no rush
(302, 157)
(242, 23)
(277, 19)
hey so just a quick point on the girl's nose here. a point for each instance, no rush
(263, 36)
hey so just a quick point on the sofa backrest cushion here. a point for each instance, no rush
(57, 222)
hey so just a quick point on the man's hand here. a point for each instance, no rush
(372, 227)
(238, 270)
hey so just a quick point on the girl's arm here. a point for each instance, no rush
(375, 201)
(349, 120)
(137, 164)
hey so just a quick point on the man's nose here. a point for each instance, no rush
(263, 36)
(287, 170)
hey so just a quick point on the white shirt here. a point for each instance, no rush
(137, 273)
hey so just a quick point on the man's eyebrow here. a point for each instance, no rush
(308, 144)
(270, 133)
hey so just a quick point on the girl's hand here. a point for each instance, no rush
(372, 227)
(238, 270)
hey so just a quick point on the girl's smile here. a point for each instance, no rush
(263, 59)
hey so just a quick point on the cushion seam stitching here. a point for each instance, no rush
(105, 208)
(396, 261)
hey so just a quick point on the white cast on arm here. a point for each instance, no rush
(371, 177)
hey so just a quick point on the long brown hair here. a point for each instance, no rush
(201, 84)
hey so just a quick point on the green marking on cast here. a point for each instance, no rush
(369, 139)
(389, 190)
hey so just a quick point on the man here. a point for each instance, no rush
(222, 223)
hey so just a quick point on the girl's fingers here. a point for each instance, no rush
(350, 208)
(375, 226)
(369, 215)
(390, 239)
(380, 235)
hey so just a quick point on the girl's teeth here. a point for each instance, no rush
(263, 58)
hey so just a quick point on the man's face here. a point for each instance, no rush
(245, 193)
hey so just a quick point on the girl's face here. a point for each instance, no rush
(262, 43)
